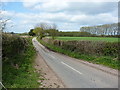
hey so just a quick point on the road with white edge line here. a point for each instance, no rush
(73, 73)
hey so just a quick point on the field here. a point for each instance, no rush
(109, 39)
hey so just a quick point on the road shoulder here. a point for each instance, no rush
(50, 78)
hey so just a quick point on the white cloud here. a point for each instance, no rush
(77, 18)
(58, 0)
(54, 6)
(67, 16)
(50, 6)
(29, 4)
(94, 20)
(63, 20)
(6, 14)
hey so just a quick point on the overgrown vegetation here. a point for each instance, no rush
(18, 56)
(13, 44)
(104, 53)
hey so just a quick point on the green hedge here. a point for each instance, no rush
(101, 48)
(12, 44)
(18, 62)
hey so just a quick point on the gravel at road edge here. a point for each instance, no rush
(50, 78)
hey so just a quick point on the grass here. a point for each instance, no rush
(109, 39)
(25, 76)
(103, 60)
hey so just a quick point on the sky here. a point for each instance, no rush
(68, 16)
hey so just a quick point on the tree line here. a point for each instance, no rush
(46, 29)
(106, 29)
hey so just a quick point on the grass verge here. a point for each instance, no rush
(19, 71)
(103, 60)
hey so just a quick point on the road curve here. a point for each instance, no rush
(73, 73)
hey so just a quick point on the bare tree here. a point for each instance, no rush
(3, 20)
(53, 31)
(40, 29)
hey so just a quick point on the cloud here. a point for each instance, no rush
(79, 7)
(62, 20)
(67, 15)
(94, 20)
(6, 14)
(66, 0)
(91, 7)
(51, 6)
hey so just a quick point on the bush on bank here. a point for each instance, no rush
(13, 44)
(88, 47)
(18, 62)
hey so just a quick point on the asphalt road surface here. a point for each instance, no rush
(75, 74)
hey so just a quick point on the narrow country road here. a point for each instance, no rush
(75, 74)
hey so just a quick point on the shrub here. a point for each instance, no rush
(12, 44)
(111, 49)
(18, 63)
(88, 47)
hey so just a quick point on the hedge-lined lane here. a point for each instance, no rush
(104, 53)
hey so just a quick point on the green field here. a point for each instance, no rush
(109, 39)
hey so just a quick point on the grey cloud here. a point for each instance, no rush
(74, 7)
(91, 7)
